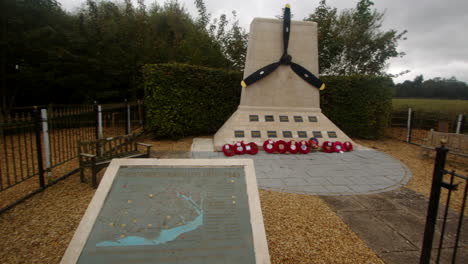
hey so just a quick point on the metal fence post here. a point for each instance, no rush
(45, 135)
(98, 126)
(433, 204)
(143, 114)
(37, 125)
(96, 121)
(140, 115)
(409, 125)
(128, 129)
(99, 122)
(459, 123)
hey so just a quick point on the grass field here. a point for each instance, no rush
(452, 107)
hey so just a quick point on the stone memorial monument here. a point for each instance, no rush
(281, 102)
(173, 211)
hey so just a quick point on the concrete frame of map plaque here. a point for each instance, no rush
(240, 176)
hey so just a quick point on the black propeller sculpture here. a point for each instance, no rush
(285, 60)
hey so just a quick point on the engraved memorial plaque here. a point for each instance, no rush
(256, 133)
(312, 119)
(287, 134)
(284, 119)
(302, 134)
(271, 134)
(239, 133)
(317, 134)
(172, 214)
(253, 118)
(332, 134)
(269, 118)
(298, 119)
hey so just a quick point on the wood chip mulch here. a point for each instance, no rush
(39, 229)
(303, 229)
(422, 169)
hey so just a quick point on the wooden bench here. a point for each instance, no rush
(98, 154)
(456, 143)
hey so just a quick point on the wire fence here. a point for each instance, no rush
(413, 126)
(39, 145)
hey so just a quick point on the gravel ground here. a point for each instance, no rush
(39, 229)
(422, 169)
(303, 229)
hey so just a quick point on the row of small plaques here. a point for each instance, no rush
(282, 118)
(286, 134)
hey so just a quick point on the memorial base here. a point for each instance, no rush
(257, 124)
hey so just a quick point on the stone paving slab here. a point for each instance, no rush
(392, 224)
(363, 171)
(401, 257)
(367, 226)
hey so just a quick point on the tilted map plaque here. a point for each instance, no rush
(169, 211)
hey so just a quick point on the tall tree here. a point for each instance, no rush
(203, 15)
(37, 51)
(50, 56)
(232, 39)
(448, 88)
(352, 41)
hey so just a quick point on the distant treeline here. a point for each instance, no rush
(441, 88)
(96, 53)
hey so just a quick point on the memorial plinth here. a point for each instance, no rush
(173, 211)
(281, 105)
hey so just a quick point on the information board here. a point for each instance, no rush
(157, 214)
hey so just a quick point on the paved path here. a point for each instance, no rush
(392, 224)
(356, 172)
(362, 171)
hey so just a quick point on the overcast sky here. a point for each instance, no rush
(435, 47)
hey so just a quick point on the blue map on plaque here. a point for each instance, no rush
(173, 215)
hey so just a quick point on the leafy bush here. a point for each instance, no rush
(184, 100)
(360, 105)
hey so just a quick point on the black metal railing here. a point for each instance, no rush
(18, 159)
(438, 184)
(38, 145)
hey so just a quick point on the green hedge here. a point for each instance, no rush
(360, 105)
(184, 100)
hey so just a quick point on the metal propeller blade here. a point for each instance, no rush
(307, 76)
(286, 28)
(260, 74)
(285, 60)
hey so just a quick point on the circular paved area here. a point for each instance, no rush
(350, 173)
